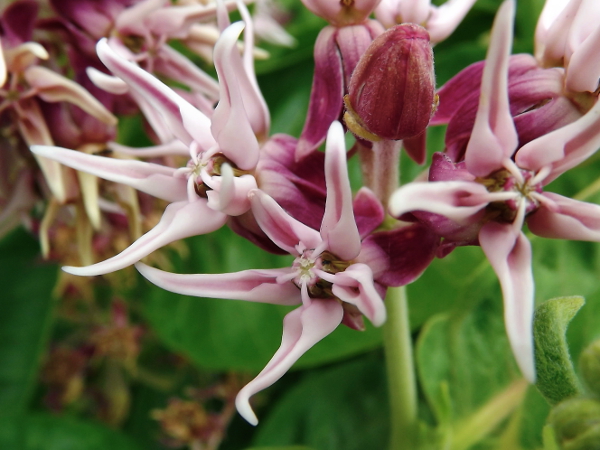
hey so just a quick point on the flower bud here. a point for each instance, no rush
(589, 363)
(392, 90)
(576, 423)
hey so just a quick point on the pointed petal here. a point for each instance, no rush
(285, 231)
(157, 151)
(563, 148)
(185, 121)
(445, 18)
(302, 329)
(509, 253)
(416, 147)
(584, 66)
(106, 82)
(494, 137)
(180, 220)
(368, 211)
(355, 286)
(339, 227)
(325, 104)
(456, 200)
(574, 220)
(250, 285)
(53, 87)
(230, 122)
(153, 179)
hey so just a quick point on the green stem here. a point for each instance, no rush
(400, 371)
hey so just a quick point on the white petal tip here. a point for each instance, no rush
(243, 406)
(85, 271)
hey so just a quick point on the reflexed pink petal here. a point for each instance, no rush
(552, 31)
(284, 230)
(355, 286)
(110, 84)
(231, 125)
(132, 19)
(509, 253)
(53, 87)
(584, 66)
(368, 211)
(153, 179)
(563, 148)
(185, 121)
(340, 14)
(180, 220)
(325, 104)
(229, 194)
(251, 285)
(175, 21)
(494, 137)
(171, 148)
(302, 329)
(445, 18)
(574, 220)
(457, 200)
(338, 228)
(403, 254)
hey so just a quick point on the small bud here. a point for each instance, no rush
(576, 423)
(392, 90)
(589, 364)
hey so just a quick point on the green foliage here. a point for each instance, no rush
(556, 377)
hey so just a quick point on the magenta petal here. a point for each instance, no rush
(325, 104)
(444, 169)
(180, 220)
(338, 228)
(494, 137)
(284, 230)
(302, 329)
(368, 211)
(574, 220)
(250, 285)
(355, 286)
(153, 179)
(509, 253)
(231, 125)
(416, 147)
(400, 255)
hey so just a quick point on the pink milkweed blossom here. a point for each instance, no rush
(338, 274)
(487, 197)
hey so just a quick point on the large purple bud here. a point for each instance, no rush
(392, 90)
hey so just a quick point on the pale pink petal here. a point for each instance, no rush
(231, 125)
(153, 179)
(53, 87)
(339, 228)
(175, 21)
(106, 82)
(355, 286)
(229, 194)
(302, 329)
(563, 148)
(574, 220)
(3, 72)
(552, 31)
(509, 253)
(459, 201)
(325, 104)
(185, 121)
(281, 228)
(494, 137)
(341, 14)
(583, 70)
(133, 19)
(180, 220)
(156, 151)
(445, 18)
(250, 285)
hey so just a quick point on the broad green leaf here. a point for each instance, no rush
(25, 317)
(340, 408)
(556, 377)
(235, 335)
(49, 432)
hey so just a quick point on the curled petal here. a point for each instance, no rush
(509, 253)
(229, 194)
(584, 66)
(302, 329)
(355, 286)
(339, 227)
(325, 104)
(282, 229)
(53, 87)
(230, 122)
(153, 179)
(494, 137)
(574, 220)
(180, 220)
(445, 18)
(456, 200)
(110, 84)
(250, 285)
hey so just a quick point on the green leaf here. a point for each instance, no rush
(48, 432)
(340, 408)
(235, 335)
(295, 447)
(25, 318)
(556, 377)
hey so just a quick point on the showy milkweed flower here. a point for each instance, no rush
(338, 275)
(486, 198)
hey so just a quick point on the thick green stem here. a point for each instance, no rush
(400, 371)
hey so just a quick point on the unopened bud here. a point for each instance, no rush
(576, 423)
(589, 363)
(392, 90)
